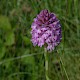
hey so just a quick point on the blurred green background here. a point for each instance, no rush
(19, 60)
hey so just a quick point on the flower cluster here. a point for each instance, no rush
(46, 29)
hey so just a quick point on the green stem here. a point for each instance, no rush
(46, 64)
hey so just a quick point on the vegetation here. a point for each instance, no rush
(19, 59)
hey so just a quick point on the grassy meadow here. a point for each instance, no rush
(19, 59)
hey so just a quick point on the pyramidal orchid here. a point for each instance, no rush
(46, 29)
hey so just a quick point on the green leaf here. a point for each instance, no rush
(4, 23)
(26, 40)
(28, 60)
(7, 64)
(2, 52)
(9, 39)
(2, 49)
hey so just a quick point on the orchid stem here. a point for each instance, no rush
(46, 64)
